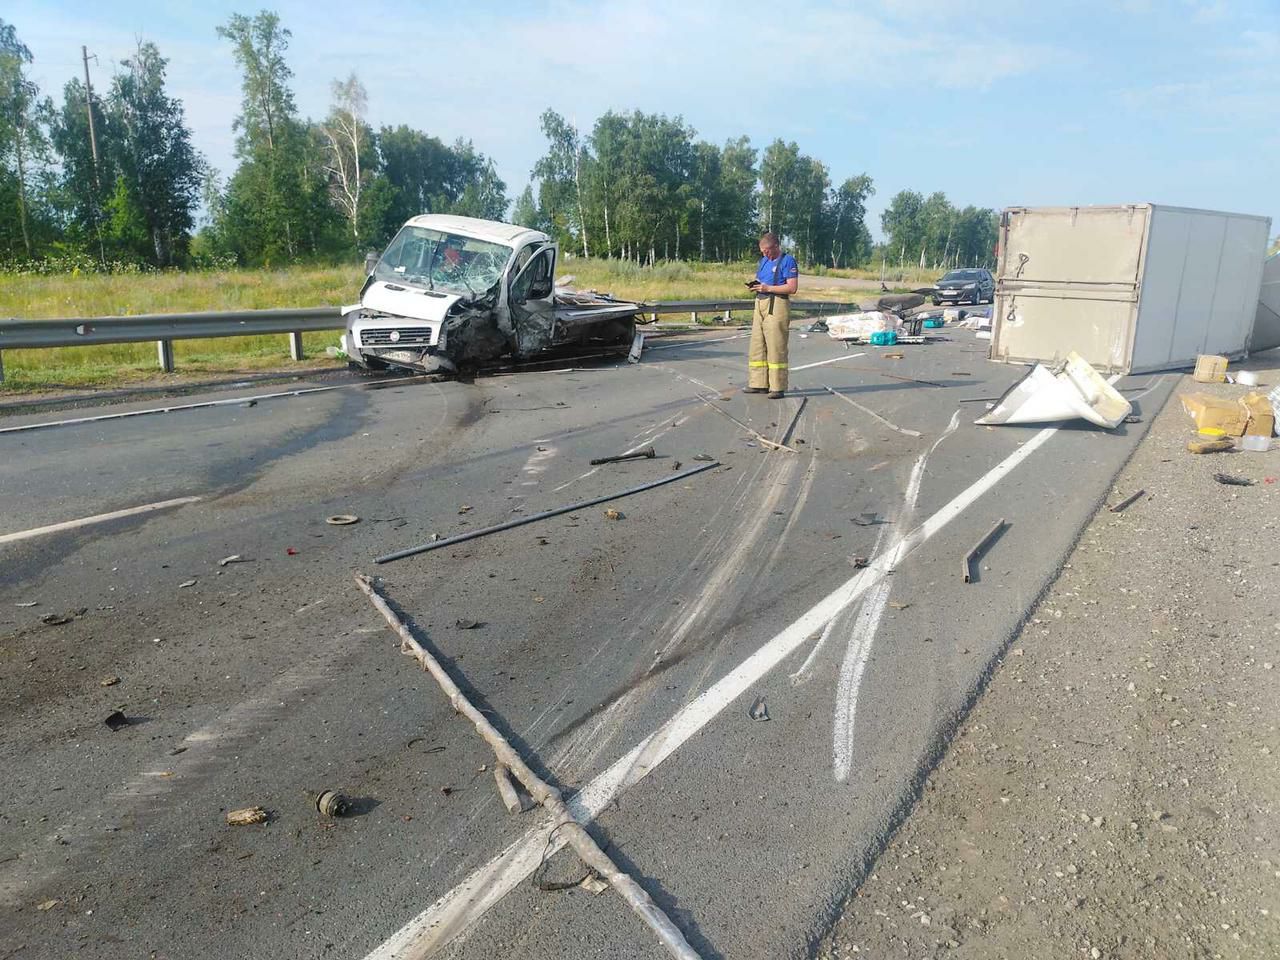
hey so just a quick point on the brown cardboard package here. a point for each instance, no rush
(1230, 417)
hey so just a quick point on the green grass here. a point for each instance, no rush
(86, 295)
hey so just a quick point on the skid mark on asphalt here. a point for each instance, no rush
(466, 903)
(867, 623)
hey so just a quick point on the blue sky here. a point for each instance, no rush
(997, 104)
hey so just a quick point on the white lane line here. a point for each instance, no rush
(466, 903)
(228, 402)
(100, 518)
(872, 413)
(867, 624)
(847, 356)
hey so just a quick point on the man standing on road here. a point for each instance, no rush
(776, 280)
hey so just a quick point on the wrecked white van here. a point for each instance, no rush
(453, 293)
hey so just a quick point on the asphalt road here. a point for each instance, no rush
(622, 656)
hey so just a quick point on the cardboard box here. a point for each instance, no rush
(1230, 417)
(1262, 418)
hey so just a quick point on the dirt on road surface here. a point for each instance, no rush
(1114, 793)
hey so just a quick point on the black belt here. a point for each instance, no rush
(770, 296)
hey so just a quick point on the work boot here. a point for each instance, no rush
(776, 394)
(756, 390)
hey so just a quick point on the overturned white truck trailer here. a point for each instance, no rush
(1129, 288)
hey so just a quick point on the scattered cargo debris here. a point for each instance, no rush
(59, 619)
(1068, 391)
(342, 520)
(28, 603)
(1254, 443)
(1210, 368)
(463, 624)
(234, 558)
(246, 816)
(978, 548)
(330, 803)
(644, 453)
(108, 681)
(1218, 445)
(187, 583)
(637, 347)
(612, 514)
(549, 797)
(1126, 502)
(116, 720)
(451, 293)
(1230, 416)
(759, 710)
(436, 544)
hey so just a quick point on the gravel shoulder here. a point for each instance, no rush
(1114, 791)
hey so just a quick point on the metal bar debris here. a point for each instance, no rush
(575, 834)
(1127, 501)
(545, 514)
(977, 548)
(646, 453)
(761, 438)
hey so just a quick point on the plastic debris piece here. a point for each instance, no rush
(234, 558)
(116, 720)
(246, 816)
(47, 904)
(593, 884)
(612, 514)
(467, 624)
(28, 603)
(858, 562)
(108, 681)
(342, 520)
(1232, 481)
(187, 583)
(291, 552)
(759, 710)
(465, 508)
(1068, 391)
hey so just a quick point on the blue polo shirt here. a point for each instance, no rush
(786, 269)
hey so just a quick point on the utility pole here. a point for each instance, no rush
(88, 103)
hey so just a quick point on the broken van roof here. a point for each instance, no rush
(473, 227)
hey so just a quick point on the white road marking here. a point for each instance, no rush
(100, 518)
(465, 904)
(1138, 396)
(847, 356)
(228, 402)
(867, 624)
(872, 413)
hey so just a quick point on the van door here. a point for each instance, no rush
(530, 300)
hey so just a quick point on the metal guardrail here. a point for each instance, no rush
(164, 328)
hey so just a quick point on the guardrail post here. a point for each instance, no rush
(693, 316)
(728, 316)
(654, 318)
(164, 348)
(1, 366)
(295, 345)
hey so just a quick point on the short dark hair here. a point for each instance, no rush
(769, 236)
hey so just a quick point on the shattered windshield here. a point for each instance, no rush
(442, 261)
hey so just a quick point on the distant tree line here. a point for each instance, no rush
(111, 177)
(641, 187)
